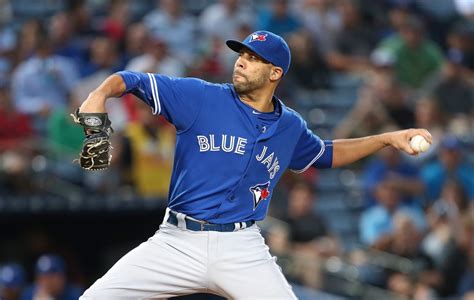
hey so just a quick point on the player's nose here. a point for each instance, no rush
(240, 63)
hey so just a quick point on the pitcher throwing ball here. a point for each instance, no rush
(234, 141)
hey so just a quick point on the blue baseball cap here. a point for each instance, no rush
(12, 275)
(267, 45)
(50, 263)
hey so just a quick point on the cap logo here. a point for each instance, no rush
(258, 37)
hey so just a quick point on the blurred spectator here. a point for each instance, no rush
(8, 41)
(405, 242)
(157, 59)
(308, 68)
(151, 146)
(465, 8)
(116, 21)
(466, 286)
(222, 19)
(354, 43)
(369, 113)
(398, 14)
(176, 28)
(17, 145)
(30, 34)
(441, 243)
(453, 203)
(15, 127)
(377, 222)
(12, 281)
(454, 90)
(214, 62)
(308, 234)
(51, 281)
(439, 16)
(417, 59)
(395, 102)
(42, 83)
(103, 55)
(428, 115)
(136, 40)
(6, 14)
(450, 165)
(80, 16)
(63, 38)
(385, 264)
(322, 20)
(278, 19)
(390, 166)
(65, 140)
(466, 283)
(460, 43)
(308, 230)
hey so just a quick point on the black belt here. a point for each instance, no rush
(196, 225)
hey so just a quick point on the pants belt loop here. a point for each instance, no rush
(167, 215)
(181, 220)
(244, 225)
(237, 226)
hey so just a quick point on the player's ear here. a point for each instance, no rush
(276, 73)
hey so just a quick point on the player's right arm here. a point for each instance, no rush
(113, 86)
(177, 99)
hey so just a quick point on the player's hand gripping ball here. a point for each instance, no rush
(419, 144)
(95, 153)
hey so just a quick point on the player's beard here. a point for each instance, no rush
(248, 86)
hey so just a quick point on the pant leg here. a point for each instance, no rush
(243, 268)
(173, 262)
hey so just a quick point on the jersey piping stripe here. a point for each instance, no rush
(157, 94)
(154, 91)
(155, 110)
(323, 147)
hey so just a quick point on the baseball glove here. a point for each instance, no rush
(95, 153)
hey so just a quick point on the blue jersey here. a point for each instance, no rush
(226, 165)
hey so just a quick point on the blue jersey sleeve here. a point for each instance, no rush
(177, 99)
(311, 151)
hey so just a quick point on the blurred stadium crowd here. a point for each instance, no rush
(391, 226)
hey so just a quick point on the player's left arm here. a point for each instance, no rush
(346, 151)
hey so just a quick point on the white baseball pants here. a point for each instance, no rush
(175, 261)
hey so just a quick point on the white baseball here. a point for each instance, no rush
(419, 144)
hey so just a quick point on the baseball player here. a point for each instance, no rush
(234, 142)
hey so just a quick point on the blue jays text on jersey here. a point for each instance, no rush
(226, 163)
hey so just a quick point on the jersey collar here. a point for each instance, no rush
(281, 123)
